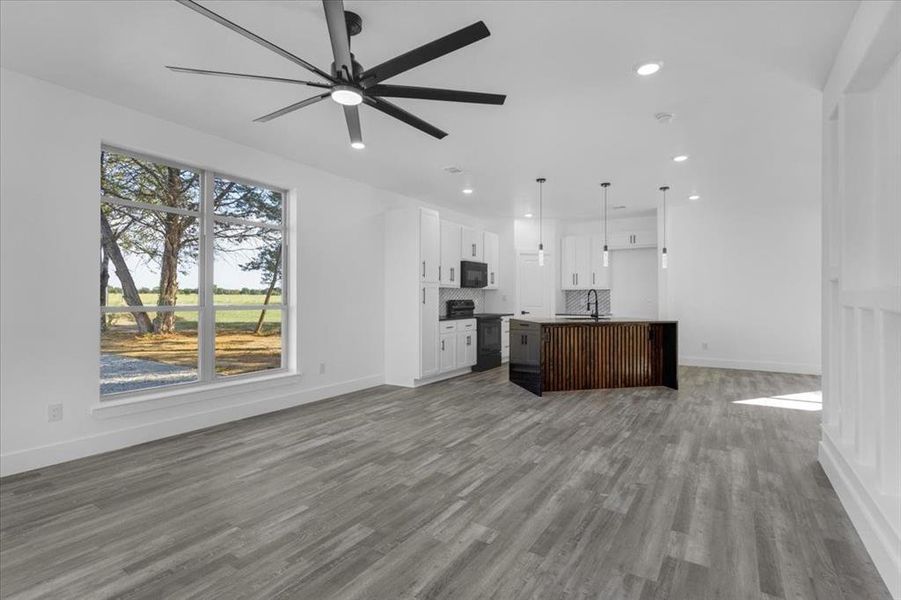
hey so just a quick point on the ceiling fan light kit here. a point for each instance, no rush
(348, 83)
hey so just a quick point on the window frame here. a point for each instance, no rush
(206, 307)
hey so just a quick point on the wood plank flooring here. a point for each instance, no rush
(469, 488)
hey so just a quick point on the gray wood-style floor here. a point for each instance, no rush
(470, 488)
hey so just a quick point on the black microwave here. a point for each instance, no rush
(473, 274)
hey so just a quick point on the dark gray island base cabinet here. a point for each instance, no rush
(551, 355)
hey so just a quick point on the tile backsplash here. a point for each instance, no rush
(475, 294)
(576, 302)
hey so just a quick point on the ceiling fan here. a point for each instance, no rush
(348, 83)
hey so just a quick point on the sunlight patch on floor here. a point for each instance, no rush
(810, 401)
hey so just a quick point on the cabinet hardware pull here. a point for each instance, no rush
(423, 295)
(492, 278)
(423, 268)
(469, 340)
(442, 345)
(592, 278)
(473, 249)
(452, 273)
(439, 272)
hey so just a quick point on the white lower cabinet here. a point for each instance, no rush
(457, 344)
(466, 348)
(447, 351)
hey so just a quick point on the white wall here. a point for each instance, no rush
(860, 449)
(633, 283)
(744, 268)
(49, 235)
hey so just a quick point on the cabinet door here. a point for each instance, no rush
(466, 349)
(450, 254)
(471, 348)
(491, 246)
(600, 275)
(447, 351)
(583, 262)
(428, 330)
(620, 240)
(429, 245)
(568, 264)
(644, 239)
(471, 247)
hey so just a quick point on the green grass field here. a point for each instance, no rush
(225, 316)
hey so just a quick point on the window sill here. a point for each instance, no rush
(162, 399)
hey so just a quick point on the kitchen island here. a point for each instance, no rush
(564, 353)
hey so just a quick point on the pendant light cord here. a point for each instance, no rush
(664, 189)
(540, 181)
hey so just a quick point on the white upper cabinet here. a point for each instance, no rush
(429, 245)
(491, 248)
(641, 238)
(600, 275)
(576, 264)
(471, 246)
(450, 254)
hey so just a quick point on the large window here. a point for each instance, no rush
(191, 275)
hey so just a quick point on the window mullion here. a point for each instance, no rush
(207, 324)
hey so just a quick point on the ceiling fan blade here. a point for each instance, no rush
(291, 108)
(254, 37)
(424, 93)
(246, 76)
(424, 54)
(337, 32)
(352, 116)
(398, 113)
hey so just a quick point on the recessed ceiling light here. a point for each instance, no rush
(528, 215)
(357, 145)
(467, 191)
(346, 95)
(680, 158)
(648, 68)
(694, 197)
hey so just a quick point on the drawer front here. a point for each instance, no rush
(447, 326)
(466, 325)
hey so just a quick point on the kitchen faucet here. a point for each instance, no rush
(595, 314)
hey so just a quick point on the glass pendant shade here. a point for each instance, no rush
(540, 255)
(663, 259)
(606, 257)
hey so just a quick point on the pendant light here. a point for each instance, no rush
(663, 254)
(605, 185)
(540, 181)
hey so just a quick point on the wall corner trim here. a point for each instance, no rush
(880, 540)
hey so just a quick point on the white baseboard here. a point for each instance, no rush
(883, 544)
(750, 365)
(273, 400)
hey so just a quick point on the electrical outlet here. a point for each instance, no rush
(703, 345)
(322, 368)
(54, 412)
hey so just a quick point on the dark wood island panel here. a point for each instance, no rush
(549, 355)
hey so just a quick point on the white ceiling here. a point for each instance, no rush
(575, 112)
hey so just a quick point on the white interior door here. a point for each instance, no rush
(532, 289)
